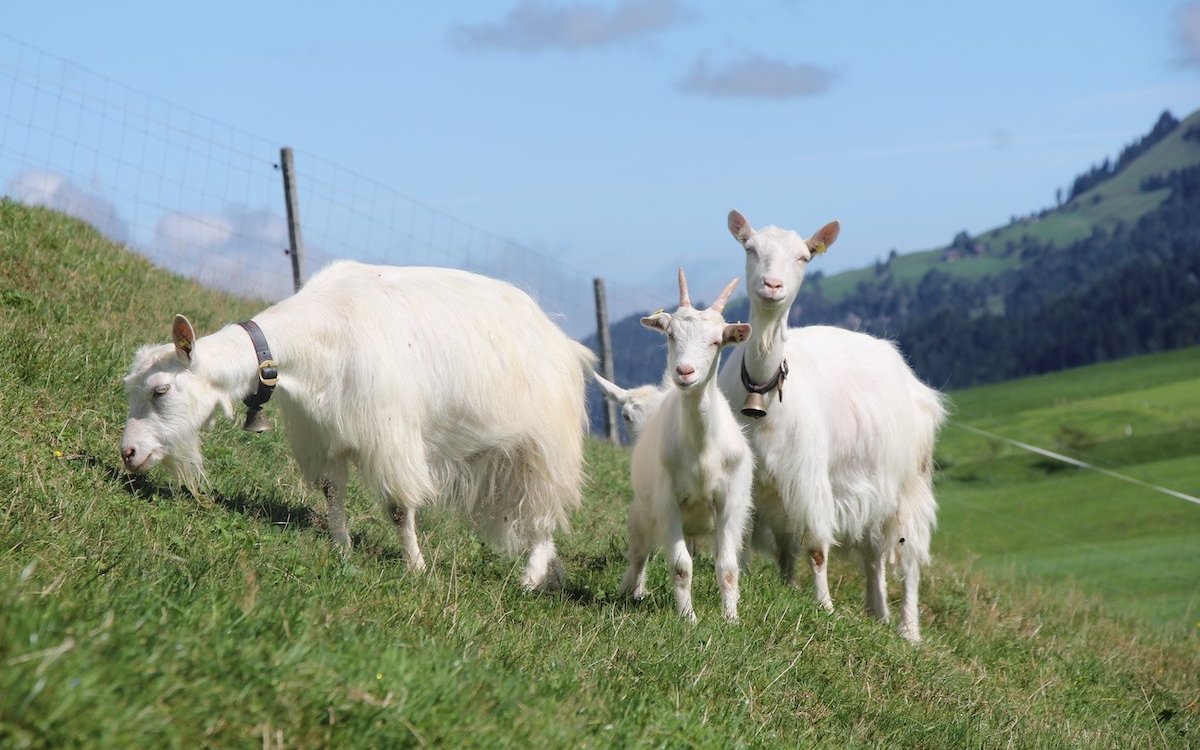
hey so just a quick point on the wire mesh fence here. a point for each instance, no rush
(205, 199)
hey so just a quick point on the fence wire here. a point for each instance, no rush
(205, 199)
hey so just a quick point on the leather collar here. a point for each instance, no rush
(775, 382)
(268, 376)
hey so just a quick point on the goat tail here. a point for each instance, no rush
(587, 359)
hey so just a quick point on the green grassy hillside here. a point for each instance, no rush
(135, 615)
(1117, 199)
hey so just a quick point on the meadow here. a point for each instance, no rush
(1059, 611)
(1022, 514)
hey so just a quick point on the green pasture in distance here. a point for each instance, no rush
(1020, 513)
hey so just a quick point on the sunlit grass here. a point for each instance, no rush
(135, 615)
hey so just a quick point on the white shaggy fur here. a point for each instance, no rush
(636, 403)
(691, 467)
(439, 385)
(847, 455)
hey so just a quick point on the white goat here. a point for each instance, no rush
(437, 384)
(636, 403)
(691, 467)
(845, 450)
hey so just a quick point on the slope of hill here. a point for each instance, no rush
(134, 615)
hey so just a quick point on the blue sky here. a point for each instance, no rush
(617, 135)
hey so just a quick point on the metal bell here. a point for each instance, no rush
(755, 407)
(256, 421)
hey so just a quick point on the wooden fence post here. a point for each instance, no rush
(295, 242)
(606, 363)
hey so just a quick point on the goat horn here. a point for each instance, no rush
(719, 305)
(684, 299)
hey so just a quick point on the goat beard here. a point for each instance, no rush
(186, 466)
(185, 462)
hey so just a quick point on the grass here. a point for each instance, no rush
(135, 615)
(1026, 515)
(912, 267)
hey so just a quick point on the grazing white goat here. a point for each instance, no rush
(437, 384)
(691, 467)
(845, 449)
(636, 403)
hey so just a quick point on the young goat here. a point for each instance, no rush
(691, 466)
(637, 404)
(845, 449)
(439, 385)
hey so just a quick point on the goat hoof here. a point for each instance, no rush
(555, 579)
(636, 594)
(632, 587)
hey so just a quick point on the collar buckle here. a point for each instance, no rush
(268, 373)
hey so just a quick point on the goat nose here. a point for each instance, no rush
(685, 370)
(128, 454)
(773, 284)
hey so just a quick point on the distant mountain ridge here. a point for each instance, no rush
(1111, 271)
(1107, 170)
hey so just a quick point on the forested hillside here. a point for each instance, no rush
(1132, 289)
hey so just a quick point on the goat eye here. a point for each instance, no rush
(159, 390)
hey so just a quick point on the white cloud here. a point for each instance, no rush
(179, 233)
(35, 187)
(1187, 32)
(532, 26)
(238, 250)
(757, 77)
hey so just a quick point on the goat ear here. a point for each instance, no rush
(735, 333)
(184, 337)
(659, 321)
(739, 227)
(611, 390)
(821, 241)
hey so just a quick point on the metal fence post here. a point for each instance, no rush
(295, 242)
(606, 363)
